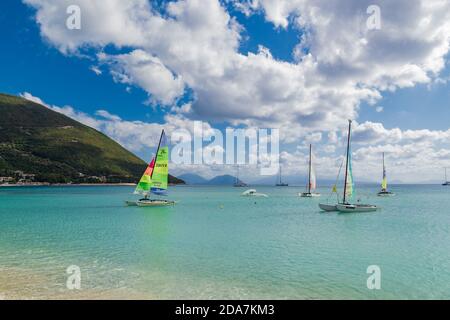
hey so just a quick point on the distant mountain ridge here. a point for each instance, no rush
(192, 179)
(40, 145)
(223, 180)
(195, 179)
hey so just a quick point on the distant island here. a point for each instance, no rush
(41, 146)
(194, 179)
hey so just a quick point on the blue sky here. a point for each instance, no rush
(290, 71)
(31, 64)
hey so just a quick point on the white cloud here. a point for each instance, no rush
(136, 136)
(146, 71)
(339, 63)
(373, 133)
(412, 155)
(196, 44)
(30, 97)
(96, 70)
(102, 22)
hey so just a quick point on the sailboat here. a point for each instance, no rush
(238, 183)
(155, 178)
(280, 183)
(446, 182)
(384, 191)
(311, 179)
(334, 190)
(345, 206)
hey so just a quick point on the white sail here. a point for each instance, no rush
(312, 178)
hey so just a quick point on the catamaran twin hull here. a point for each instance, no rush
(150, 203)
(356, 208)
(309, 194)
(328, 207)
(347, 208)
(385, 194)
(155, 203)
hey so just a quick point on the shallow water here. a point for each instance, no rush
(216, 244)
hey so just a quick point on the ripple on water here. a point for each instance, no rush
(216, 244)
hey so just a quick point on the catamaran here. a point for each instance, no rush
(446, 182)
(238, 183)
(311, 179)
(384, 191)
(345, 206)
(280, 182)
(155, 178)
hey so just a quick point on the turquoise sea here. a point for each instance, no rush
(216, 244)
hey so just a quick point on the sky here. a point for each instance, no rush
(301, 66)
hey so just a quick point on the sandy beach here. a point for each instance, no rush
(26, 284)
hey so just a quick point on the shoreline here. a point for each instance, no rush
(44, 184)
(26, 283)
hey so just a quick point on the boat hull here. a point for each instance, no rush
(239, 185)
(309, 195)
(256, 195)
(346, 208)
(253, 193)
(328, 207)
(385, 194)
(150, 203)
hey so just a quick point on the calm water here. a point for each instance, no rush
(216, 244)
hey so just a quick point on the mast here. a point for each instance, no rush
(309, 171)
(384, 170)
(445, 169)
(346, 162)
(280, 176)
(157, 150)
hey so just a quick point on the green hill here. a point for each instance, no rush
(39, 144)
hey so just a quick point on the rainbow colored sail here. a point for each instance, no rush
(156, 176)
(145, 183)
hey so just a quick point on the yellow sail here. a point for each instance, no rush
(384, 183)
